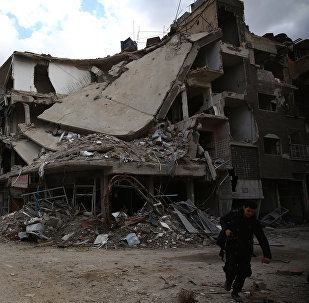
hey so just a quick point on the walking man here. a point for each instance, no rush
(236, 240)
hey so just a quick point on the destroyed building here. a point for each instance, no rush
(212, 114)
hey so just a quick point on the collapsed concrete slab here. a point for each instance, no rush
(40, 136)
(129, 104)
(27, 150)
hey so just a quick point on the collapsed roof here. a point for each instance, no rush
(143, 92)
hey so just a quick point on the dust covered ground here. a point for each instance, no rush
(30, 273)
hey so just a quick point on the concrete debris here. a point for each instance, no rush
(161, 67)
(170, 150)
(199, 220)
(131, 239)
(100, 241)
(64, 226)
(68, 236)
(189, 102)
(274, 218)
(36, 229)
(189, 227)
(85, 153)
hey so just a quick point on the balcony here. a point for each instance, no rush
(299, 152)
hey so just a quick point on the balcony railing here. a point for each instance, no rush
(299, 152)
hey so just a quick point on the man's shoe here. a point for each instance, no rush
(236, 297)
(227, 285)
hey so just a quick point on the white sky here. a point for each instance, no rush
(94, 28)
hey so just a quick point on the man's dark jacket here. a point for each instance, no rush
(243, 229)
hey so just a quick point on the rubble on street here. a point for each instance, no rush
(64, 227)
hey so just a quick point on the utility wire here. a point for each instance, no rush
(177, 10)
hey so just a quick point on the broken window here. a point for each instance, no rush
(234, 78)
(299, 146)
(272, 145)
(209, 56)
(42, 82)
(269, 62)
(84, 197)
(267, 102)
(274, 67)
(260, 57)
(241, 120)
(228, 24)
(198, 100)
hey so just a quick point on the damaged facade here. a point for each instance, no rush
(211, 114)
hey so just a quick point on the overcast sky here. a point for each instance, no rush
(94, 28)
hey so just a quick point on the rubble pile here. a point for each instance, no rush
(66, 227)
(163, 146)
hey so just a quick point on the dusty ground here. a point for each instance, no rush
(50, 275)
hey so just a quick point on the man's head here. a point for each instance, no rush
(249, 208)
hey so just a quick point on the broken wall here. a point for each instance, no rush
(45, 77)
(23, 74)
(209, 56)
(67, 79)
(202, 19)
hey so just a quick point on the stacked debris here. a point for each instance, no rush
(63, 226)
(163, 146)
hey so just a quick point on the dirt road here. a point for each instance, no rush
(51, 275)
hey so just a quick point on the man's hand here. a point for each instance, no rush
(266, 260)
(228, 232)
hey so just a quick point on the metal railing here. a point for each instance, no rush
(299, 152)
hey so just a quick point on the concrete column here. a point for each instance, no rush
(184, 100)
(103, 190)
(27, 114)
(190, 190)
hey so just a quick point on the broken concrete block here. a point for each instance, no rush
(100, 240)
